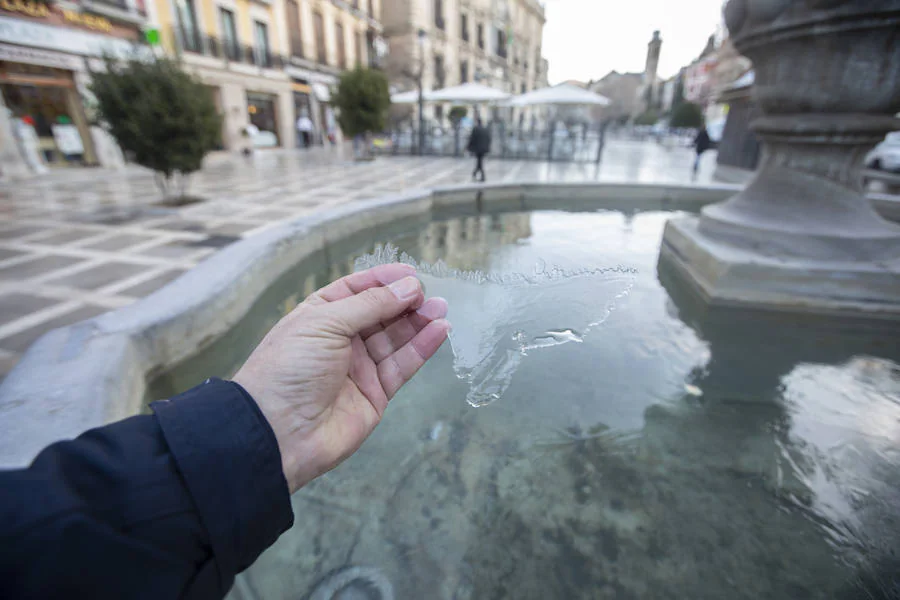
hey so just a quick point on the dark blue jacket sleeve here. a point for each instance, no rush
(168, 505)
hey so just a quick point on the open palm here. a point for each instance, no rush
(324, 375)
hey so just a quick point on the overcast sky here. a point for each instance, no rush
(586, 39)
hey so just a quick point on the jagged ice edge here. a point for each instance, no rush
(388, 253)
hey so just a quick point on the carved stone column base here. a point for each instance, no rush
(724, 274)
(801, 236)
(806, 200)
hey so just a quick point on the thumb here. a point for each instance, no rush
(375, 305)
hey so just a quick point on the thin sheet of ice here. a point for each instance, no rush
(498, 319)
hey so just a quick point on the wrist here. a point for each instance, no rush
(291, 465)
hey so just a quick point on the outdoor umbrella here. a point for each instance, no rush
(410, 97)
(468, 93)
(564, 93)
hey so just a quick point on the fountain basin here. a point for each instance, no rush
(101, 366)
(677, 450)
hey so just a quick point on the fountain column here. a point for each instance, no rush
(802, 235)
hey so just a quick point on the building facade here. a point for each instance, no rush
(494, 42)
(238, 49)
(624, 93)
(270, 61)
(698, 76)
(46, 50)
(324, 38)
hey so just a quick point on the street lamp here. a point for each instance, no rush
(421, 37)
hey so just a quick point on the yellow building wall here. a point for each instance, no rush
(208, 13)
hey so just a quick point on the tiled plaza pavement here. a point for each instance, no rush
(76, 243)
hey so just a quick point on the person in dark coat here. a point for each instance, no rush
(702, 143)
(479, 145)
(175, 503)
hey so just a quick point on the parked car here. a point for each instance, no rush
(886, 155)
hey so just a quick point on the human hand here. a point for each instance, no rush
(324, 374)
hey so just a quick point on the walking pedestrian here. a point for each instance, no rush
(305, 128)
(479, 145)
(702, 143)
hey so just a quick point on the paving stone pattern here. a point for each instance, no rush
(78, 242)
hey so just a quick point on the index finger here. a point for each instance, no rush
(359, 282)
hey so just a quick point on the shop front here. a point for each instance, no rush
(46, 100)
(44, 78)
(262, 113)
(312, 94)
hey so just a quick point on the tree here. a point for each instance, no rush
(162, 117)
(648, 118)
(363, 99)
(687, 114)
(457, 114)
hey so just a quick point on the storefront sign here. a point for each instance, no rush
(42, 58)
(26, 7)
(311, 76)
(42, 10)
(86, 20)
(28, 33)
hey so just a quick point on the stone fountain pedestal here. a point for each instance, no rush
(802, 236)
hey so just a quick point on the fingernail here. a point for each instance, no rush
(434, 309)
(405, 288)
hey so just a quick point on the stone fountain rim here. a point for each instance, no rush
(100, 366)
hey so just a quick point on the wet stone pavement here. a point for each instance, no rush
(79, 242)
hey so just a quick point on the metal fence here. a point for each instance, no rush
(576, 144)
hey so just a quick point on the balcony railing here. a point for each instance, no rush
(117, 9)
(210, 45)
(120, 4)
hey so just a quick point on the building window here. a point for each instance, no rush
(463, 71)
(341, 45)
(439, 14)
(480, 36)
(370, 48)
(464, 27)
(319, 24)
(187, 22)
(294, 28)
(371, 9)
(261, 35)
(359, 49)
(438, 72)
(229, 34)
(524, 89)
(500, 49)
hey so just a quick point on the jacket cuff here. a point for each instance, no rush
(229, 458)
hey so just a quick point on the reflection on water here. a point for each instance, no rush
(677, 453)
